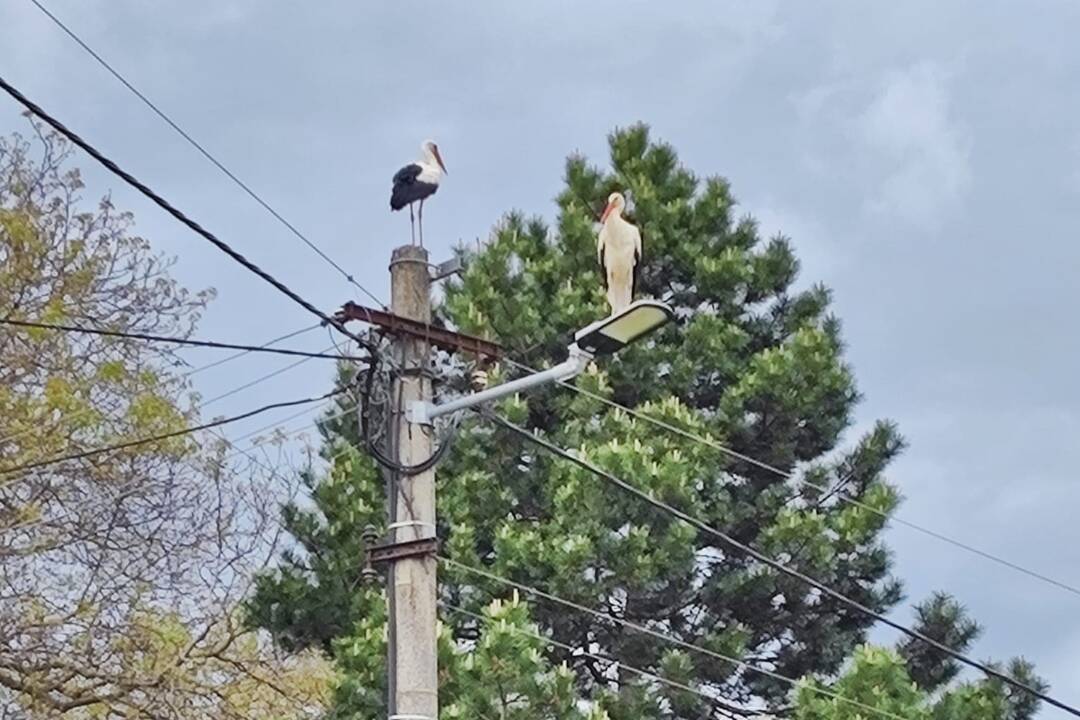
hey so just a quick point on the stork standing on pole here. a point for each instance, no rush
(618, 248)
(417, 182)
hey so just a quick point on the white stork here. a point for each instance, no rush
(417, 182)
(618, 247)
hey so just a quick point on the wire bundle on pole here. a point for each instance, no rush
(368, 420)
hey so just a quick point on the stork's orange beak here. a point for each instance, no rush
(438, 157)
(607, 211)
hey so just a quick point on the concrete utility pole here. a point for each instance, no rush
(411, 587)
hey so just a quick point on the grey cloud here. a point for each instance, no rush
(909, 123)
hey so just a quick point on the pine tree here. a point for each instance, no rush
(755, 363)
(881, 679)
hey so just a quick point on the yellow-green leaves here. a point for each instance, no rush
(98, 547)
(877, 679)
(111, 371)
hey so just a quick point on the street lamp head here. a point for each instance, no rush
(634, 322)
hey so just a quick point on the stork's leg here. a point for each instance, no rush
(412, 225)
(613, 303)
(421, 220)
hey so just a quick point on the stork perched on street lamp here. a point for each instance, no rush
(417, 182)
(618, 248)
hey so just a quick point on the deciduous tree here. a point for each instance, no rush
(119, 573)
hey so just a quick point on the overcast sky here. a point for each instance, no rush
(924, 158)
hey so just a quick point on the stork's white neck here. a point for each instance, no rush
(430, 171)
(430, 164)
(615, 215)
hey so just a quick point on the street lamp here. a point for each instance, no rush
(604, 337)
(612, 334)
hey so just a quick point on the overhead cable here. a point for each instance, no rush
(761, 557)
(730, 452)
(741, 664)
(178, 341)
(205, 153)
(26, 467)
(167, 207)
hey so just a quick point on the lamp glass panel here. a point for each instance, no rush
(633, 325)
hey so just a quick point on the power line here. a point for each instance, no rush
(820, 486)
(295, 431)
(581, 652)
(179, 341)
(742, 664)
(256, 381)
(205, 153)
(25, 467)
(236, 451)
(228, 393)
(86, 412)
(268, 343)
(200, 406)
(774, 564)
(275, 426)
(191, 224)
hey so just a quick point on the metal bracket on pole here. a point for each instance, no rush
(453, 266)
(388, 553)
(392, 552)
(439, 337)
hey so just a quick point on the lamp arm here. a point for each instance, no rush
(423, 413)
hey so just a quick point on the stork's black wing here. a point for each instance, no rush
(403, 180)
(407, 174)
